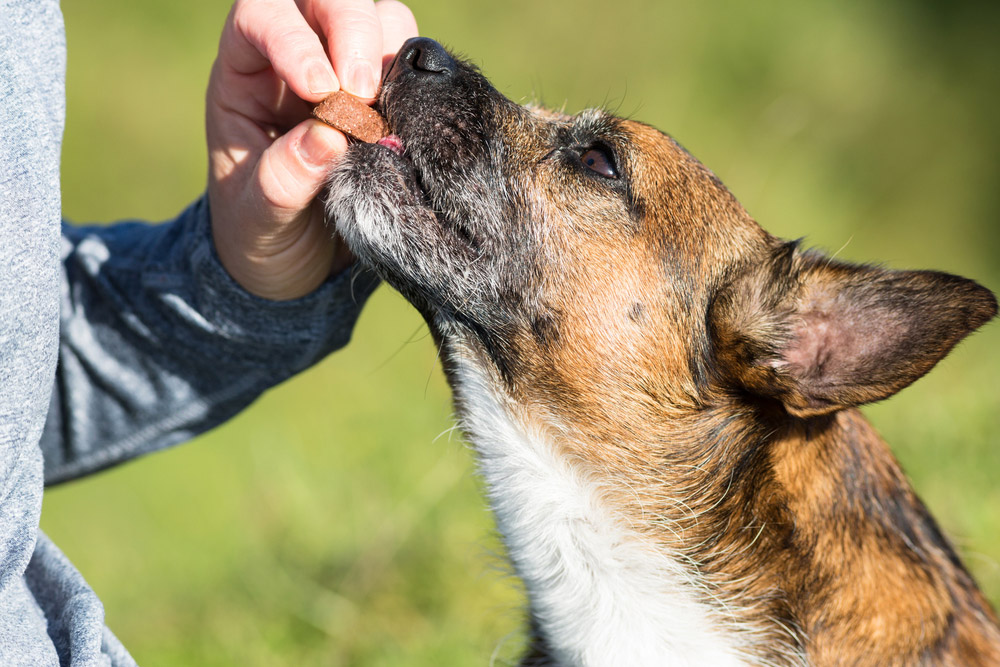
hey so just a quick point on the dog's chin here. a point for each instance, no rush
(376, 200)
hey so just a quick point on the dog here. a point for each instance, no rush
(661, 395)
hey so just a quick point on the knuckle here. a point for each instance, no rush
(264, 19)
(290, 38)
(354, 22)
(273, 186)
(398, 22)
(243, 13)
(396, 10)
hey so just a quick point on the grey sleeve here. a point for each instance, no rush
(159, 344)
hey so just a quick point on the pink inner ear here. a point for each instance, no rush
(836, 336)
(813, 345)
(858, 334)
(842, 341)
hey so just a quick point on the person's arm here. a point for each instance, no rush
(166, 331)
(158, 343)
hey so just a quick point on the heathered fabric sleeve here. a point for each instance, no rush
(48, 614)
(32, 62)
(138, 328)
(159, 344)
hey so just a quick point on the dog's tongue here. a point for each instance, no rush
(393, 143)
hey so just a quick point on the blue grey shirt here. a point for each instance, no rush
(114, 342)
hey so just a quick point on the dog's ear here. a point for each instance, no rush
(821, 335)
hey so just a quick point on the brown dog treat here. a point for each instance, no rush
(351, 116)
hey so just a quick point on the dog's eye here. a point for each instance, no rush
(599, 161)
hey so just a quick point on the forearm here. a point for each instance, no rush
(159, 344)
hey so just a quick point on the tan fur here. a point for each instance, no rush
(698, 375)
(616, 382)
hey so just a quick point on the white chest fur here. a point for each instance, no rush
(602, 596)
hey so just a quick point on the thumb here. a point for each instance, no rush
(292, 170)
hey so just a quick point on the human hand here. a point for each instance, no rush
(267, 158)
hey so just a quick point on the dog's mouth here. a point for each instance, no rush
(393, 143)
(424, 188)
(428, 206)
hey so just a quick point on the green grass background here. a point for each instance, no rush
(338, 521)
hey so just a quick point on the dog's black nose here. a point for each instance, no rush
(424, 56)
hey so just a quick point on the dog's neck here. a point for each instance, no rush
(600, 594)
(752, 548)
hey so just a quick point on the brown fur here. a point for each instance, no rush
(807, 527)
(702, 371)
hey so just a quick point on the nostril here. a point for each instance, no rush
(437, 62)
(426, 55)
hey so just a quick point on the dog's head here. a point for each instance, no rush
(594, 264)
(603, 302)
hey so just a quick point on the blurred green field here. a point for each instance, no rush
(338, 521)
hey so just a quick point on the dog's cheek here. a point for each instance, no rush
(365, 197)
(376, 207)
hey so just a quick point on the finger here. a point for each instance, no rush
(273, 33)
(398, 25)
(293, 169)
(354, 38)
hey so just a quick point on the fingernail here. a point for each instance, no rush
(314, 147)
(321, 79)
(362, 79)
